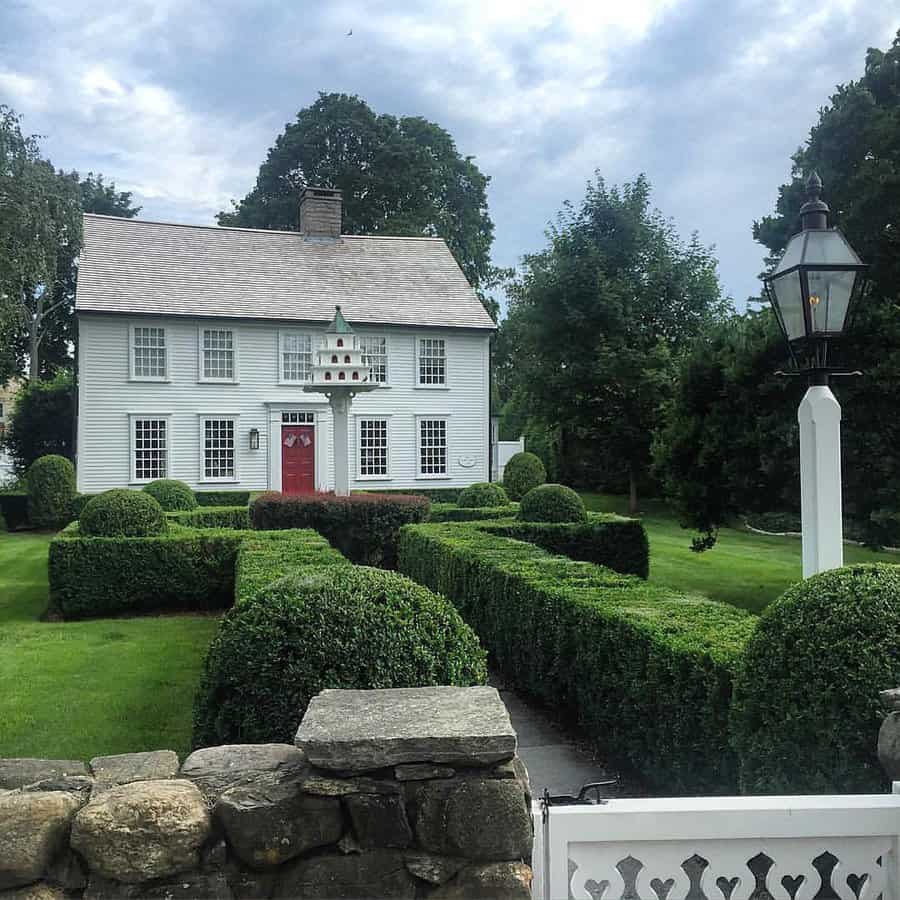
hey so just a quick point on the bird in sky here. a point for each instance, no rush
(349, 33)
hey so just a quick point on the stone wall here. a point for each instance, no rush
(398, 793)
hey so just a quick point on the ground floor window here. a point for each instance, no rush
(218, 449)
(373, 447)
(150, 448)
(432, 447)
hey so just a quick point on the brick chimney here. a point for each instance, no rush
(320, 212)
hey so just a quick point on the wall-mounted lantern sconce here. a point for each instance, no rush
(254, 439)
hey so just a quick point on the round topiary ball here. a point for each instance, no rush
(523, 472)
(482, 494)
(171, 494)
(340, 627)
(552, 503)
(122, 513)
(805, 714)
(51, 488)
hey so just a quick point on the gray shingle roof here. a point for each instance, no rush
(134, 266)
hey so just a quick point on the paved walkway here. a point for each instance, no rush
(552, 757)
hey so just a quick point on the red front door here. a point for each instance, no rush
(298, 459)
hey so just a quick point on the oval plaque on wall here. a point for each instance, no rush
(467, 462)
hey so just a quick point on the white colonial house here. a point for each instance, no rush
(195, 343)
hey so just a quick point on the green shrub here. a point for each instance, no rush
(436, 495)
(2, 522)
(171, 494)
(237, 517)
(14, 507)
(523, 472)
(364, 527)
(337, 627)
(482, 494)
(607, 540)
(644, 670)
(222, 498)
(79, 501)
(106, 576)
(552, 503)
(122, 513)
(806, 712)
(51, 487)
(450, 512)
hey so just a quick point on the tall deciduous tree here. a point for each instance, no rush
(40, 238)
(398, 176)
(598, 318)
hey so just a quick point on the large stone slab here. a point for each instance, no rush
(16, 773)
(141, 831)
(355, 731)
(378, 873)
(125, 768)
(217, 769)
(497, 881)
(33, 829)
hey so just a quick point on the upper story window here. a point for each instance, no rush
(374, 353)
(217, 354)
(432, 362)
(296, 356)
(149, 447)
(148, 353)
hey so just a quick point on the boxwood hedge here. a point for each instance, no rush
(122, 513)
(450, 512)
(222, 498)
(171, 494)
(327, 627)
(552, 503)
(51, 488)
(213, 517)
(646, 672)
(483, 493)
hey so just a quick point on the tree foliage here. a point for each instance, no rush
(598, 319)
(40, 239)
(398, 176)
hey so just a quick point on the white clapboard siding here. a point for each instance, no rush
(107, 397)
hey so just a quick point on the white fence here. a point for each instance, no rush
(503, 450)
(720, 848)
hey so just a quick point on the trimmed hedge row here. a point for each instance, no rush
(222, 498)
(14, 509)
(108, 576)
(647, 672)
(605, 539)
(436, 495)
(450, 512)
(237, 517)
(364, 527)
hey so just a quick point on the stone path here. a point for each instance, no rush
(553, 758)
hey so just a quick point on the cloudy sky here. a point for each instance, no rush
(178, 100)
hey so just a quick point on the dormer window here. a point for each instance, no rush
(340, 342)
(342, 376)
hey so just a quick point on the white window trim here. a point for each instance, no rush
(356, 420)
(165, 379)
(417, 385)
(236, 418)
(387, 357)
(132, 474)
(282, 333)
(418, 447)
(235, 344)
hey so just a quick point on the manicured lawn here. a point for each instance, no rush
(73, 690)
(745, 569)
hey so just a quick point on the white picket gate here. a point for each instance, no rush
(720, 848)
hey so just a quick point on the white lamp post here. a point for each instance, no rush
(813, 290)
(340, 373)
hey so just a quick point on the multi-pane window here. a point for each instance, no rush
(432, 446)
(296, 357)
(218, 449)
(151, 448)
(297, 418)
(432, 361)
(149, 349)
(373, 447)
(218, 354)
(374, 353)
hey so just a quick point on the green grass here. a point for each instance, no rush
(73, 690)
(745, 569)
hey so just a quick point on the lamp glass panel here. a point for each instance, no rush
(793, 253)
(829, 299)
(828, 247)
(790, 303)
